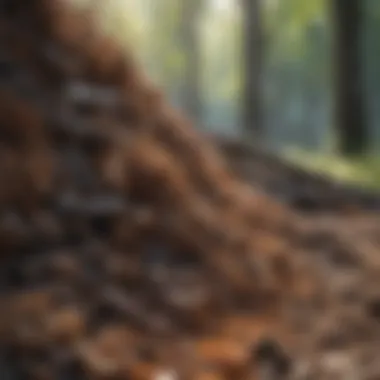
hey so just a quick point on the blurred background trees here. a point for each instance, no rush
(253, 45)
(350, 118)
(300, 76)
(190, 42)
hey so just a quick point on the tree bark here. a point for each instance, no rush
(350, 117)
(252, 68)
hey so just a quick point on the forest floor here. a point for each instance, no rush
(361, 171)
(334, 210)
(134, 248)
(303, 181)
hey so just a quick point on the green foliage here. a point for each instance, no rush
(165, 58)
(363, 171)
(221, 55)
(288, 22)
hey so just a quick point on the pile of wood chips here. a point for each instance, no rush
(131, 251)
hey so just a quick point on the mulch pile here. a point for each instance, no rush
(131, 251)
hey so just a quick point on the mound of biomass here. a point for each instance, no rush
(129, 249)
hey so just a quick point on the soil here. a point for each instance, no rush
(132, 250)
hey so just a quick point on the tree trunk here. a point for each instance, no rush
(350, 115)
(252, 61)
(192, 61)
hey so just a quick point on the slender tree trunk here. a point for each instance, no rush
(192, 103)
(350, 115)
(252, 61)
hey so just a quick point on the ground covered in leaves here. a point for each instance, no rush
(131, 251)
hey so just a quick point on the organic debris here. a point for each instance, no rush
(129, 248)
